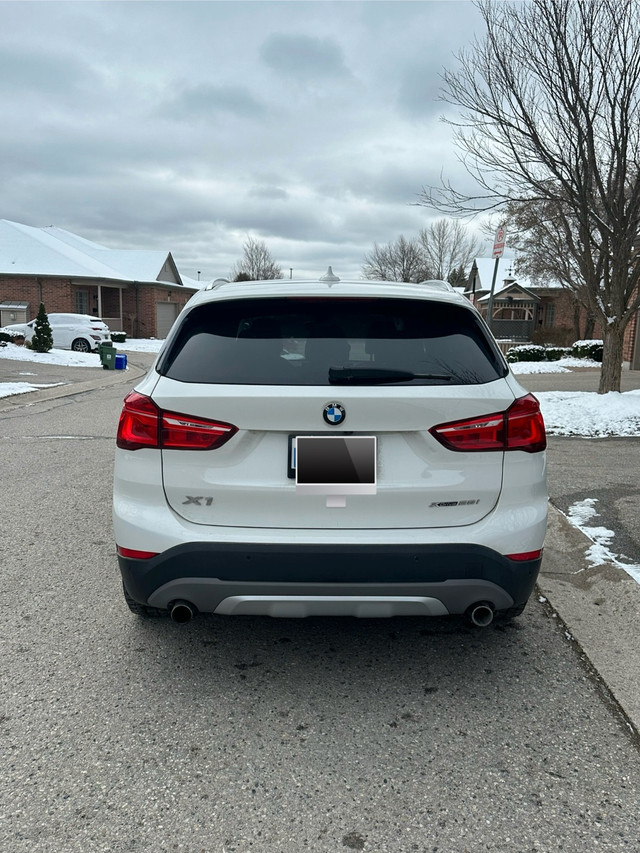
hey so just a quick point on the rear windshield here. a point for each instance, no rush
(322, 341)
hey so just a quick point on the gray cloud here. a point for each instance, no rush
(269, 193)
(24, 72)
(302, 57)
(205, 100)
(419, 90)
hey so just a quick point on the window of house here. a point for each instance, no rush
(550, 315)
(82, 301)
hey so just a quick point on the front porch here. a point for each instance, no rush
(101, 300)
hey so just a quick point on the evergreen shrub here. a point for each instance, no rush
(556, 353)
(42, 339)
(527, 352)
(587, 349)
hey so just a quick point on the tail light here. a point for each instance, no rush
(144, 424)
(521, 427)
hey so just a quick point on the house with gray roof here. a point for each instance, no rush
(523, 309)
(137, 291)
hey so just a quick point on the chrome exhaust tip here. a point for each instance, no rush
(182, 612)
(481, 614)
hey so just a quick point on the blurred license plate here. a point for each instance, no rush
(333, 459)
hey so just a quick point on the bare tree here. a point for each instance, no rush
(447, 246)
(550, 101)
(256, 263)
(402, 260)
(544, 255)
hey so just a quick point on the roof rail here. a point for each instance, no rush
(437, 284)
(219, 282)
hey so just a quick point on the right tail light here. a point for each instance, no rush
(521, 427)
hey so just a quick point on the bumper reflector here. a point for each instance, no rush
(132, 554)
(526, 555)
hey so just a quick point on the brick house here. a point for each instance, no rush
(137, 291)
(526, 311)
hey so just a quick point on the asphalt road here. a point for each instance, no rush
(246, 734)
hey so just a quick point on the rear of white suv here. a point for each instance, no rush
(327, 447)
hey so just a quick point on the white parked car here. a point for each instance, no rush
(78, 332)
(330, 447)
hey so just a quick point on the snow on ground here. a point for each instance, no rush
(140, 345)
(8, 389)
(65, 358)
(580, 515)
(589, 414)
(564, 365)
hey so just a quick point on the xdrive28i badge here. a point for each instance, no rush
(334, 414)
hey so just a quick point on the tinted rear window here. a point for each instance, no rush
(296, 341)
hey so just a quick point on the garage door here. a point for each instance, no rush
(165, 318)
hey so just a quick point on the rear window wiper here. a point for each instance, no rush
(374, 376)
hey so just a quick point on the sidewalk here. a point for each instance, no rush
(600, 605)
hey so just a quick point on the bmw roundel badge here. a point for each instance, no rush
(334, 414)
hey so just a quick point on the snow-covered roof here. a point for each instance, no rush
(512, 289)
(25, 250)
(483, 269)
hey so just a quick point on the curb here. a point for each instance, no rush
(600, 607)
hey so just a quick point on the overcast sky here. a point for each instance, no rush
(186, 126)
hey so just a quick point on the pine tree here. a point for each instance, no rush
(42, 339)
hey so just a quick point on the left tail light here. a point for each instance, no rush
(521, 427)
(144, 424)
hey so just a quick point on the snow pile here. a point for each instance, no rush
(589, 414)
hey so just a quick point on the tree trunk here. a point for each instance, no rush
(589, 326)
(577, 310)
(611, 373)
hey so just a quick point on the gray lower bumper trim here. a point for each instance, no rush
(211, 595)
(296, 606)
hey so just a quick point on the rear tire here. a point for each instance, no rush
(142, 609)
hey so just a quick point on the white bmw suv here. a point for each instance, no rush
(330, 447)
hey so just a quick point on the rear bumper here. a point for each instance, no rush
(253, 578)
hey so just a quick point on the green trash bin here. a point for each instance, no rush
(107, 353)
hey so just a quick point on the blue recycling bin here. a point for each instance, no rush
(121, 361)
